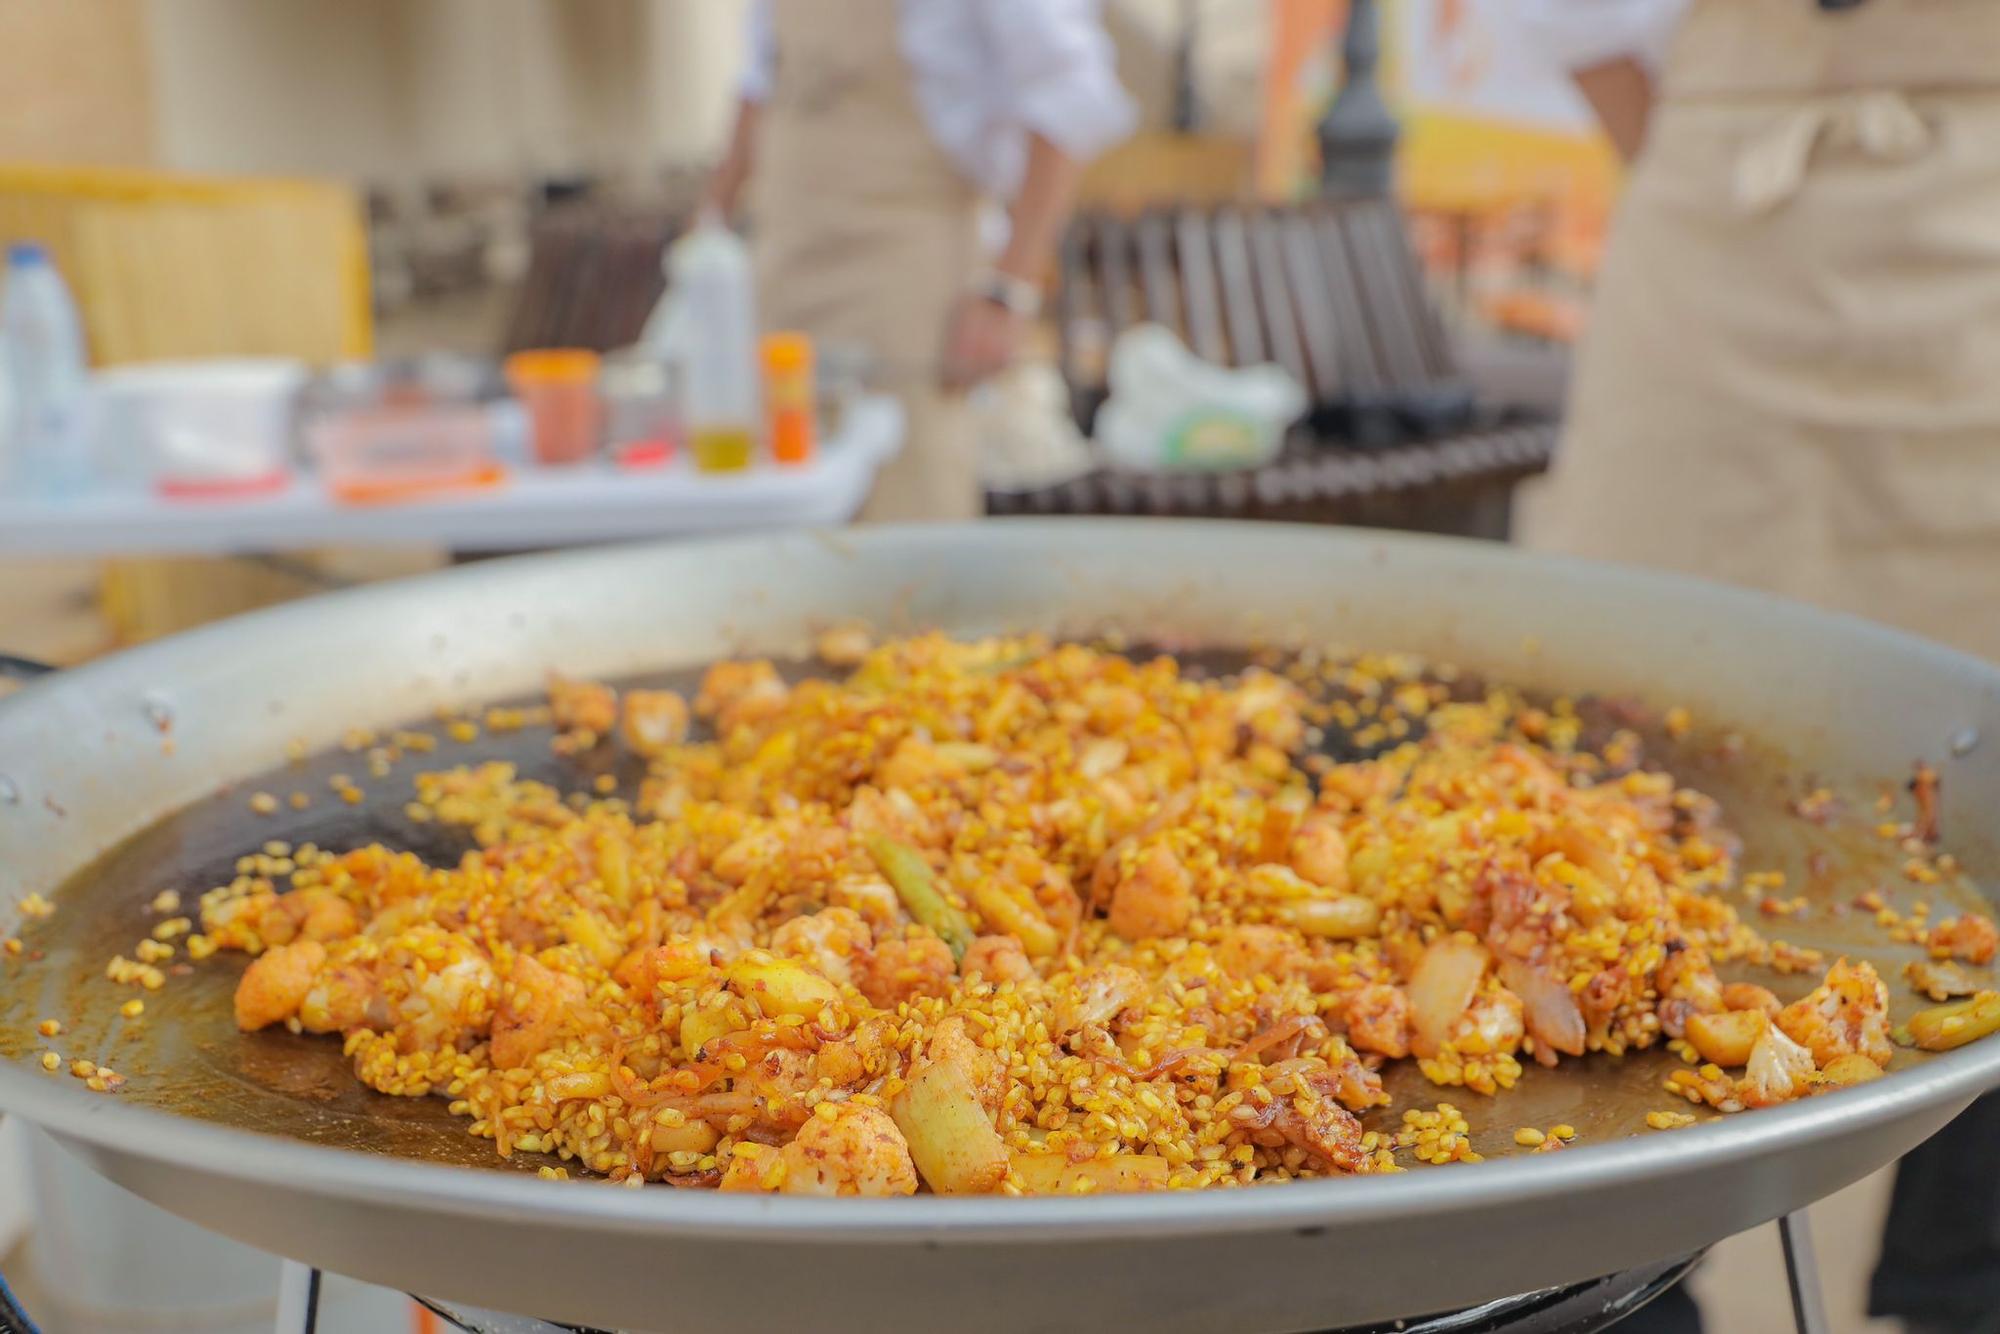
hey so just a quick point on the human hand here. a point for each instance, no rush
(724, 189)
(980, 341)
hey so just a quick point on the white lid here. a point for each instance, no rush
(232, 376)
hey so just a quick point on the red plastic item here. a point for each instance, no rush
(645, 455)
(224, 488)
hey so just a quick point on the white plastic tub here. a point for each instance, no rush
(199, 429)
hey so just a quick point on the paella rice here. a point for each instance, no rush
(1022, 917)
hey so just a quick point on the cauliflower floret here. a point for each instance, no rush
(1495, 1022)
(1779, 1070)
(844, 1148)
(870, 896)
(1097, 998)
(438, 987)
(829, 940)
(653, 721)
(952, 1043)
(1269, 708)
(1972, 938)
(1846, 1014)
(343, 997)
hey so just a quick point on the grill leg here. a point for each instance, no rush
(1802, 1271)
(298, 1299)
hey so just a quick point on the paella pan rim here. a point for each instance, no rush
(247, 1157)
(499, 1196)
(912, 543)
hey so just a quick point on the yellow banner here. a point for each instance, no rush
(1488, 121)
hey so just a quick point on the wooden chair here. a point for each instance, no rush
(593, 275)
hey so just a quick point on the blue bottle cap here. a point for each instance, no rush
(25, 253)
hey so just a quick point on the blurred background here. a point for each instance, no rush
(361, 287)
(430, 185)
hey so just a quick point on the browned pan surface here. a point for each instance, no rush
(185, 1055)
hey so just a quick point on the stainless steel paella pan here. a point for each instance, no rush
(109, 778)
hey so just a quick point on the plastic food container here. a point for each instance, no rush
(642, 411)
(396, 451)
(380, 432)
(559, 388)
(201, 429)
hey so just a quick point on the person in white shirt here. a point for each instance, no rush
(869, 133)
(1614, 50)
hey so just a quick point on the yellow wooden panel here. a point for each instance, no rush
(1166, 168)
(166, 265)
(1467, 164)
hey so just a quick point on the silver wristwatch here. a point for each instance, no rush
(1019, 295)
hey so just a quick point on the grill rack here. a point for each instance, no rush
(1589, 1307)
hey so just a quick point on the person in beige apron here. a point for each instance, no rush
(1791, 381)
(1791, 377)
(866, 199)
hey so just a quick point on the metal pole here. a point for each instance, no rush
(1187, 101)
(1357, 136)
(1802, 1271)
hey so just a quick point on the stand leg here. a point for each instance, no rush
(298, 1299)
(1802, 1271)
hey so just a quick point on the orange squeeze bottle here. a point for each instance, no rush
(788, 397)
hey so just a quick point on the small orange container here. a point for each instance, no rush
(788, 397)
(558, 387)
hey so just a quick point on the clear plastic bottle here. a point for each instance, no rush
(9, 446)
(707, 326)
(41, 341)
